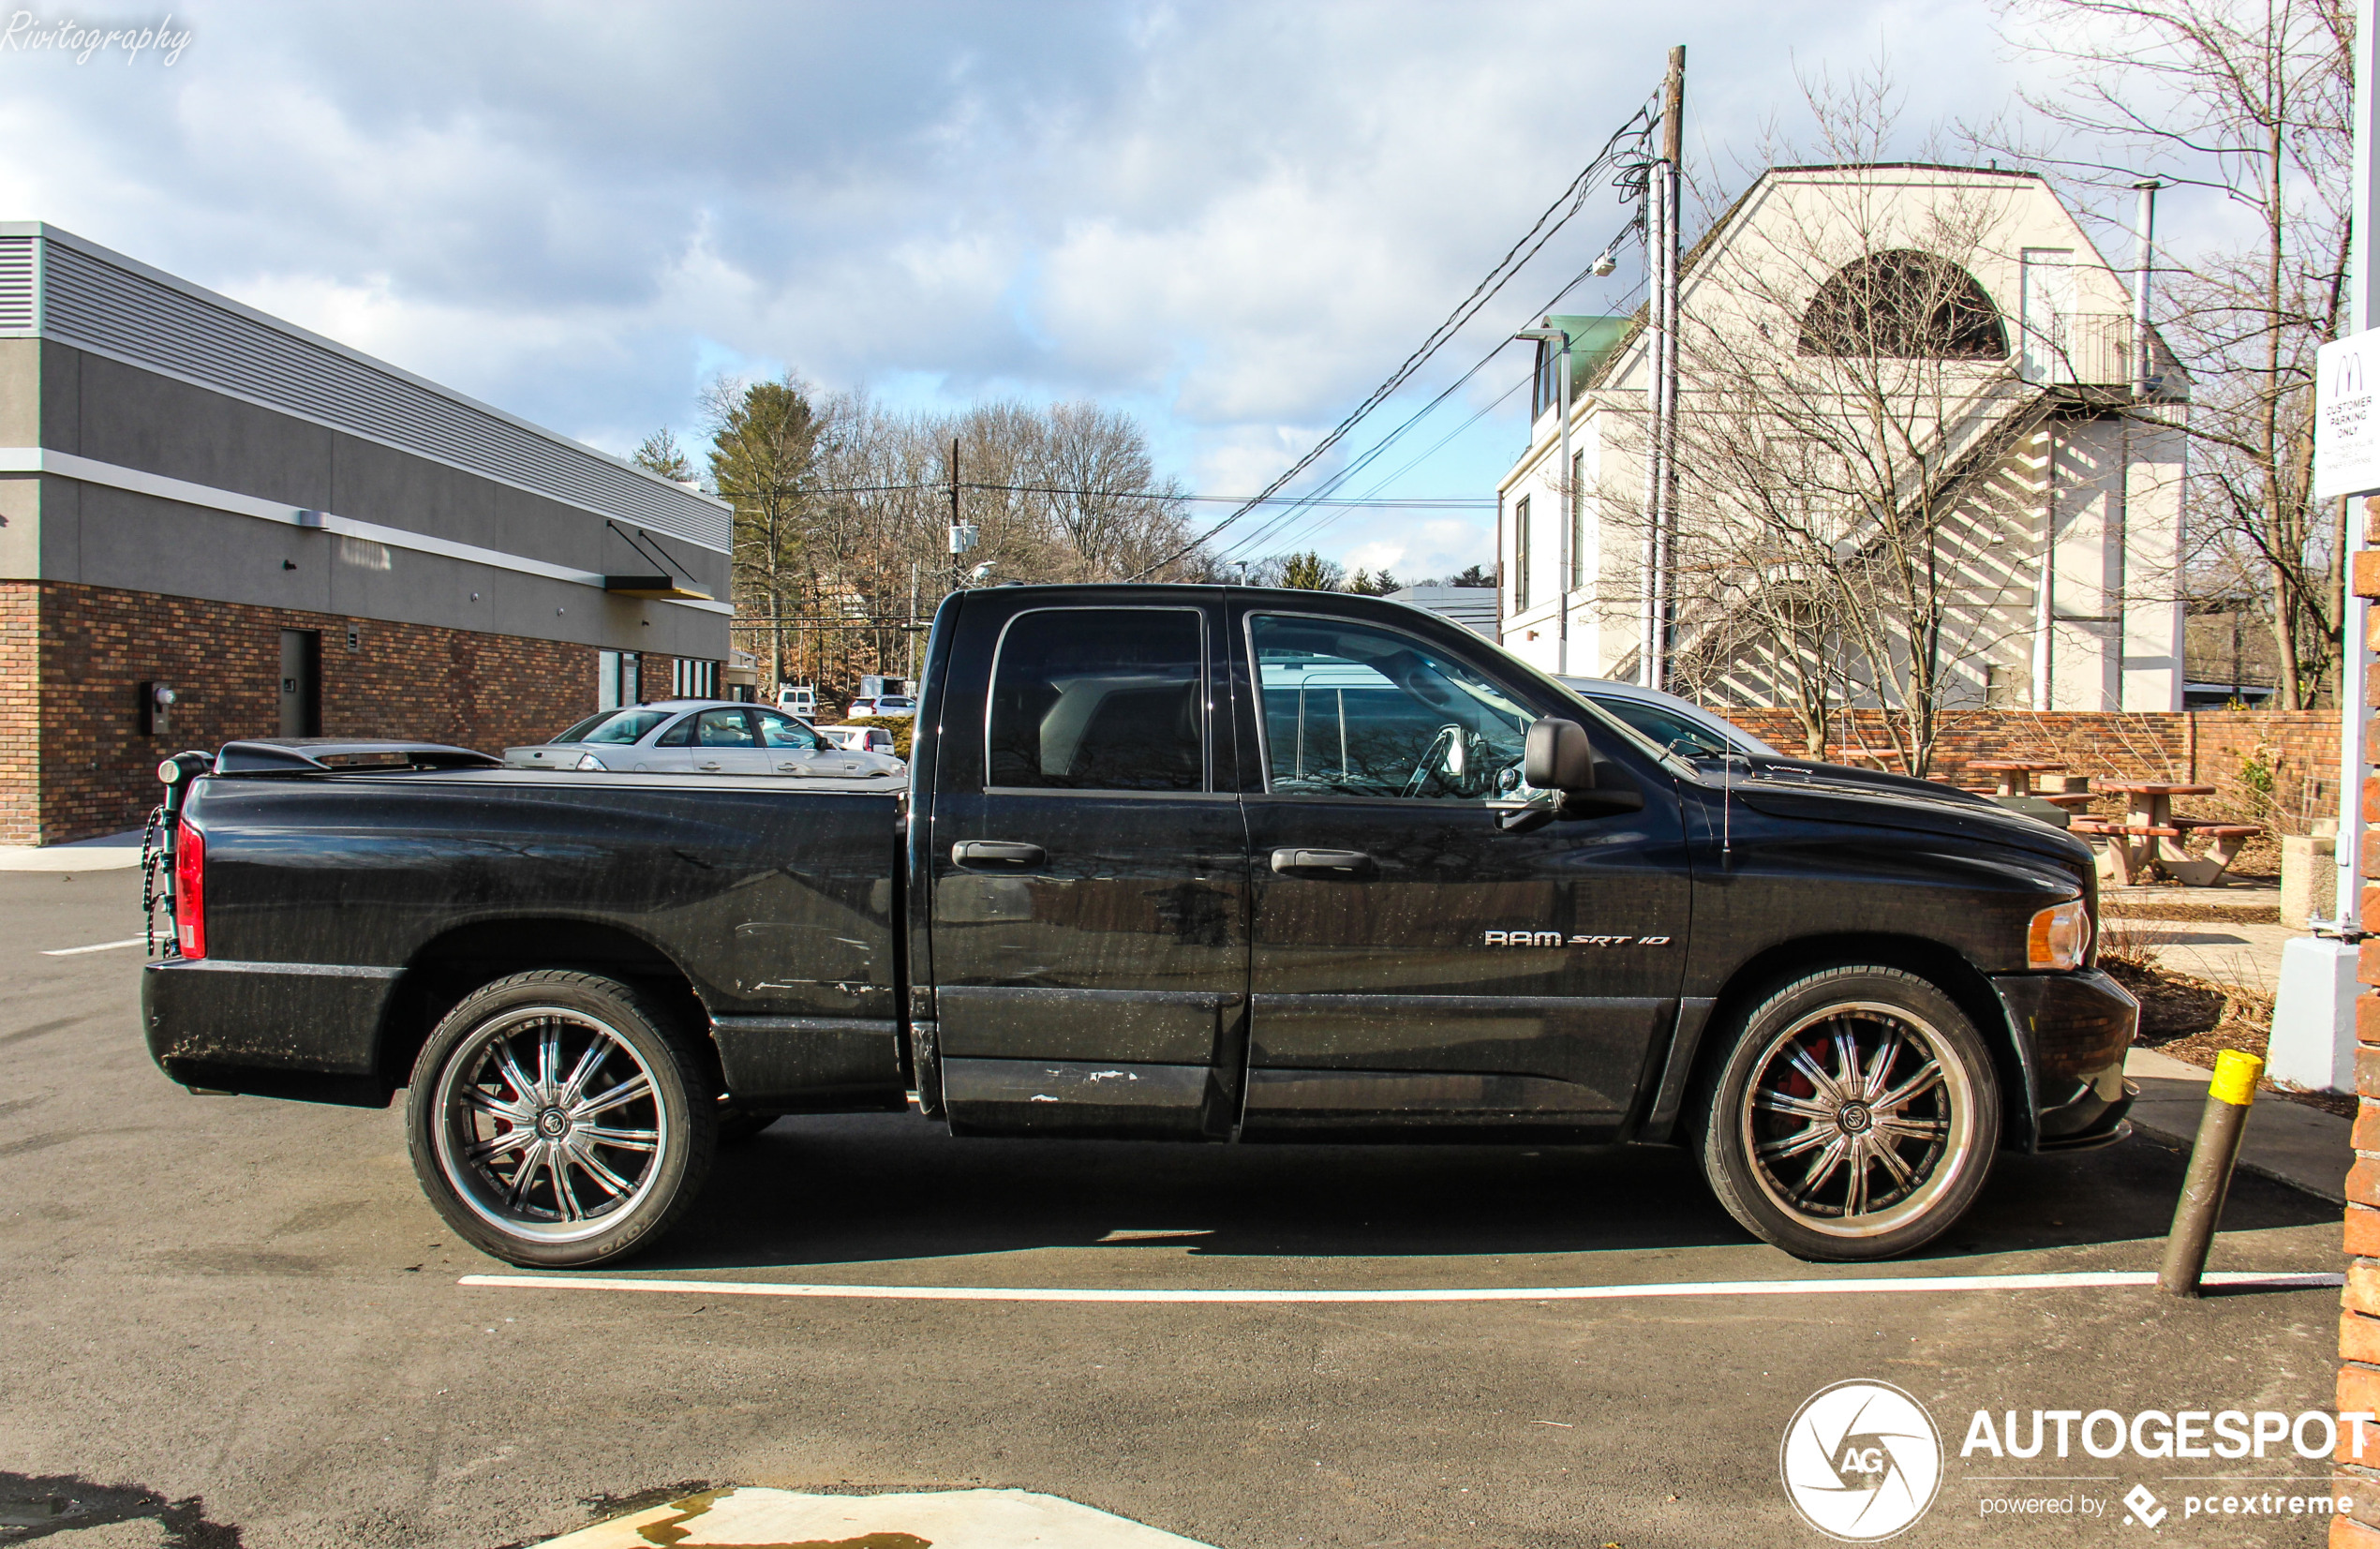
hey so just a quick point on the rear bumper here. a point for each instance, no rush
(2072, 1032)
(308, 1030)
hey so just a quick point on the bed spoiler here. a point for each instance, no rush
(298, 755)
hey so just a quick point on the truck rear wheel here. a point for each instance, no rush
(557, 1120)
(1856, 1117)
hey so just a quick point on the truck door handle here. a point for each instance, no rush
(996, 852)
(1340, 862)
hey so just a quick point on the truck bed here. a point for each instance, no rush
(342, 908)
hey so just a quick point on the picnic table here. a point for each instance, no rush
(2142, 839)
(2015, 774)
(2015, 783)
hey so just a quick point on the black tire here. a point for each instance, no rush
(1911, 1144)
(614, 1119)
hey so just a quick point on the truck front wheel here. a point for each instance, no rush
(1856, 1116)
(557, 1120)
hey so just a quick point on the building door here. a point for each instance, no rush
(301, 682)
(2047, 304)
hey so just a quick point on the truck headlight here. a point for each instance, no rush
(588, 760)
(2059, 937)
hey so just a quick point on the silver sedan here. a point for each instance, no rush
(703, 736)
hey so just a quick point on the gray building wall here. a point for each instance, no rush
(68, 522)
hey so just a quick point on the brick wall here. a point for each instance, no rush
(2359, 1315)
(19, 715)
(73, 762)
(2299, 751)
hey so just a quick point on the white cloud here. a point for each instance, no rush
(1234, 218)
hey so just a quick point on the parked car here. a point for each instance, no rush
(859, 708)
(896, 705)
(702, 737)
(1685, 727)
(874, 740)
(1670, 721)
(798, 699)
(1185, 863)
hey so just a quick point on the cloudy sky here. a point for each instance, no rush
(1231, 220)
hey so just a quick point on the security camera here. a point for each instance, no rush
(980, 572)
(1604, 264)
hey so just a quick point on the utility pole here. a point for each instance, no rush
(1662, 215)
(2315, 1035)
(1672, 217)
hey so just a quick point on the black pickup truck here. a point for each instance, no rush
(1181, 863)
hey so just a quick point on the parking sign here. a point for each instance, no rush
(2346, 433)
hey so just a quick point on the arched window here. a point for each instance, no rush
(1903, 305)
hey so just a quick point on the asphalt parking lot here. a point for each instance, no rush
(241, 1316)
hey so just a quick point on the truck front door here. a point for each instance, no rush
(1090, 881)
(1414, 959)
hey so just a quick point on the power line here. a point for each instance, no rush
(1323, 496)
(1513, 262)
(1418, 501)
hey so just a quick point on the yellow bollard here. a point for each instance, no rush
(2203, 1187)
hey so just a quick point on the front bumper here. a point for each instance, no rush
(2072, 1032)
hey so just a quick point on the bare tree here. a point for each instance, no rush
(1844, 402)
(847, 531)
(2247, 99)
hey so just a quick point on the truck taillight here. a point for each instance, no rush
(189, 891)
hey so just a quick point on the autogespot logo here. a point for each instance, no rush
(1861, 1461)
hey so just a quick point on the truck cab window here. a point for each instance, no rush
(1099, 699)
(1356, 709)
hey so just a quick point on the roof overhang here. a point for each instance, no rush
(659, 588)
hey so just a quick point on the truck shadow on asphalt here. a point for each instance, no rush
(869, 1189)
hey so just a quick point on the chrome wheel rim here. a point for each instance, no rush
(550, 1126)
(1858, 1118)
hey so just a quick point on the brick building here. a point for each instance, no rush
(297, 539)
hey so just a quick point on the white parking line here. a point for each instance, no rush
(103, 947)
(2227, 1280)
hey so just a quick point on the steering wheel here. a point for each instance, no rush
(1433, 761)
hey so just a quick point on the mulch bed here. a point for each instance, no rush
(2193, 1019)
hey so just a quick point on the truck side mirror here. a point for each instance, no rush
(1558, 757)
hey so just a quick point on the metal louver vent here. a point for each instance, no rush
(93, 303)
(18, 311)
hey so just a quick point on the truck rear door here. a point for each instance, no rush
(1089, 869)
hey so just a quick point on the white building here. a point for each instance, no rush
(2049, 448)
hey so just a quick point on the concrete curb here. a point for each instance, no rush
(115, 852)
(2288, 1142)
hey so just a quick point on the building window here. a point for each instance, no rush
(618, 680)
(690, 678)
(1903, 306)
(1521, 555)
